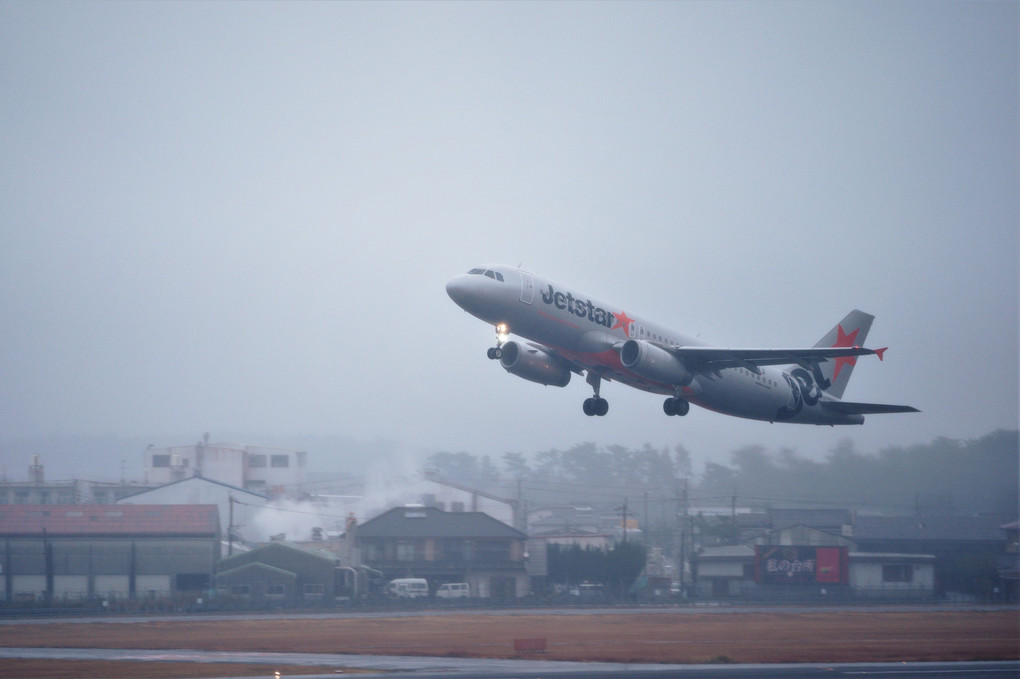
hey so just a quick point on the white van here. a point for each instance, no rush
(454, 590)
(408, 588)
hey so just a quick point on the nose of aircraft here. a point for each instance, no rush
(459, 288)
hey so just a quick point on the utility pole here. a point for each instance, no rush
(230, 528)
(624, 508)
(684, 526)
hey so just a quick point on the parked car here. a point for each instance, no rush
(407, 588)
(587, 590)
(454, 590)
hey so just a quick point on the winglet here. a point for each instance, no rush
(881, 353)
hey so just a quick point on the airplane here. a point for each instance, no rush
(569, 333)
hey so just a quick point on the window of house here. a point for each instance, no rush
(407, 551)
(454, 550)
(160, 460)
(256, 461)
(276, 590)
(314, 589)
(371, 552)
(897, 573)
(492, 550)
(240, 590)
(280, 461)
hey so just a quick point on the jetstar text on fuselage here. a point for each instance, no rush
(581, 309)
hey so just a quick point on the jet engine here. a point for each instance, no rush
(654, 363)
(533, 364)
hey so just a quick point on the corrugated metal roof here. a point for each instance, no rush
(69, 520)
(429, 522)
(953, 528)
(191, 480)
(265, 552)
(739, 552)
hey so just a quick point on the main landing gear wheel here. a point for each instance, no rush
(676, 406)
(596, 407)
(495, 353)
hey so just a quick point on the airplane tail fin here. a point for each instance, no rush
(850, 332)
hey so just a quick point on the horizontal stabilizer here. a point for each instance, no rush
(847, 408)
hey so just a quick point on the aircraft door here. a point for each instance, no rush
(527, 288)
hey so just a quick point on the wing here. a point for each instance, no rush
(845, 408)
(714, 359)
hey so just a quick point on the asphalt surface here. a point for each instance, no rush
(471, 668)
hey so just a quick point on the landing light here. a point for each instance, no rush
(502, 332)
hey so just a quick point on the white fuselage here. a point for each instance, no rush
(589, 333)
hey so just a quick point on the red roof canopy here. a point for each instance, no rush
(68, 520)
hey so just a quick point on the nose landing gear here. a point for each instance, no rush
(502, 334)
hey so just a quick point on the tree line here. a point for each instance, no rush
(945, 476)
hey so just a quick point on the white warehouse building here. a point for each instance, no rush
(259, 469)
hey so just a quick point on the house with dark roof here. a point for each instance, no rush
(52, 552)
(967, 549)
(442, 547)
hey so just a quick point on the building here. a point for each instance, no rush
(1009, 563)
(800, 572)
(892, 576)
(453, 497)
(723, 572)
(282, 573)
(939, 535)
(237, 506)
(804, 563)
(575, 536)
(38, 491)
(260, 469)
(968, 549)
(55, 552)
(425, 542)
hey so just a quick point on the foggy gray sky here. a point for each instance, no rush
(241, 216)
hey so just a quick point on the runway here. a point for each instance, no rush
(471, 668)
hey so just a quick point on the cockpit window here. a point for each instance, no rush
(495, 275)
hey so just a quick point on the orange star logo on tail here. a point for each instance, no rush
(844, 340)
